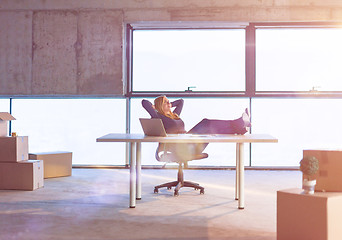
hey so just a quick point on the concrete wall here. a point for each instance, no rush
(75, 47)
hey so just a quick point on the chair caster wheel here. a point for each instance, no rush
(202, 191)
(176, 193)
(156, 190)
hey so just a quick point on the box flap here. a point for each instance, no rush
(5, 116)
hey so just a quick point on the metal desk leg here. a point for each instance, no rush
(138, 156)
(241, 177)
(128, 149)
(237, 172)
(132, 169)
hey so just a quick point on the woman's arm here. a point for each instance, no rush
(149, 108)
(179, 106)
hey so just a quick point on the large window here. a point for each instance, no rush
(298, 124)
(173, 60)
(299, 59)
(72, 125)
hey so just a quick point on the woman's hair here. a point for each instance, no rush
(158, 104)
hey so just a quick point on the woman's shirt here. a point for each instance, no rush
(171, 125)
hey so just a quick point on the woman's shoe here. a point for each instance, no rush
(246, 119)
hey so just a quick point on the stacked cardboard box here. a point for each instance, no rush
(13, 149)
(56, 164)
(329, 177)
(309, 216)
(17, 172)
(4, 118)
(318, 215)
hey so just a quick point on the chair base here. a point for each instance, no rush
(178, 186)
(180, 179)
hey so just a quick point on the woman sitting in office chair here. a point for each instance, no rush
(174, 124)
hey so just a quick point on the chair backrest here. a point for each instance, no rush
(163, 155)
(166, 152)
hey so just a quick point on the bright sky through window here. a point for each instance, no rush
(299, 59)
(172, 60)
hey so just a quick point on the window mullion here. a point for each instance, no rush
(250, 61)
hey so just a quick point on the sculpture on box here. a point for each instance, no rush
(309, 166)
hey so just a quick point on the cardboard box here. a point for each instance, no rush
(305, 216)
(56, 164)
(13, 149)
(25, 175)
(4, 118)
(329, 175)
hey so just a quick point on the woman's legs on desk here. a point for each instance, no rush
(213, 126)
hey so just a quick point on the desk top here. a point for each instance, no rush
(188, 138)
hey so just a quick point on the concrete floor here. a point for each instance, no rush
(93, 204)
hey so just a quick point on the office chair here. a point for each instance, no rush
(165, 153)
(167, 156)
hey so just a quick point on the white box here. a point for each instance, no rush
(13, 149)
(25, 175)
(4, 118)
(56, 164)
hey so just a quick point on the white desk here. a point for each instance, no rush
(135, 141)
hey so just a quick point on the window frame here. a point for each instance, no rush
(294, 94)
(250, 58)
(130, 27)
